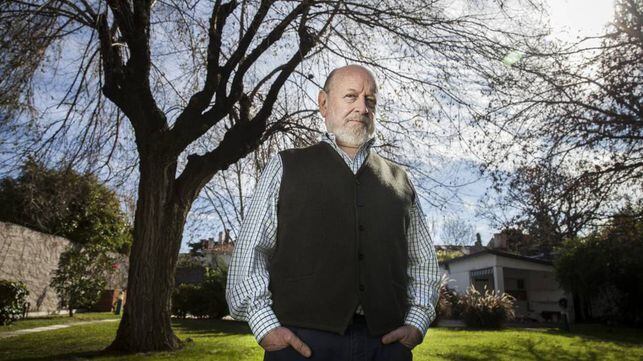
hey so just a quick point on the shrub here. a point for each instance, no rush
(214, 289)
(81, 275)
(204, 300)
(604, 269)
(488, 310)
(182, 299)
(13, 300)
(65, 203)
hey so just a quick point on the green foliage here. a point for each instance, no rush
(606, 266)
(188, 261)
(196, 248)
(67, 204)
(82, 275)
(184, 299)
(13, 298)
(444, 255)
(214, 287)
(486, 310)
(205, 300)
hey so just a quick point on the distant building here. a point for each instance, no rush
(220, 250)
(531, 280)
(216, 252)
(212, 253)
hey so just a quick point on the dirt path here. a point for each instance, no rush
(50, 328)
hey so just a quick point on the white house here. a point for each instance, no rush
(530, 280)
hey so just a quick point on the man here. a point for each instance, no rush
(334, 260)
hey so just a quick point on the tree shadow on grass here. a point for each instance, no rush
(526, 349)
(625, 336)
(610, 339)
(186, 327)
(200, 327)
(621, 335)
(103, 354)
(75, 356)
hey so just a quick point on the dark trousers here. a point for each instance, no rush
(355, 345)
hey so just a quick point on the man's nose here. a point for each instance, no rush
(361, 105)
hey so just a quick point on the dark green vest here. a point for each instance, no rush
(341, 241)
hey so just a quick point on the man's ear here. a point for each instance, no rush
(322, 102)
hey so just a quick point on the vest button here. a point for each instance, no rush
(360, 256)
(362, 288)
(361, 228)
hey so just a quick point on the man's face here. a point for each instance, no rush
(349, 106)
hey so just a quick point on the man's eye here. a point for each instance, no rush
(351, 96)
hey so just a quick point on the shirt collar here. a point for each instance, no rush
(332, 139)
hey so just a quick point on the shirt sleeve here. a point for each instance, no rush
(247, 291)
(423, 272)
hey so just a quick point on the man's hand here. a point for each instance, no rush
(408, 336)
(280, 338)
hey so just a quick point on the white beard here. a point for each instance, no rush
(353, 135)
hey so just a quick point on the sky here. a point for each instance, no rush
(572, 18)
(569, 19)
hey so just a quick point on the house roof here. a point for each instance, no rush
(499, 253)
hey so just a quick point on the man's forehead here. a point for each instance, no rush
(354, 77)
(355, 81)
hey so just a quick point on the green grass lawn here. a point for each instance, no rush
(56, 320)
(224, 340)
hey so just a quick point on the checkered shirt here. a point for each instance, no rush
(247, 287)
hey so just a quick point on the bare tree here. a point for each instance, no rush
(457, 231)
(226, 196)
(183, 90)
(567, 149)
(549, 204)
(581, 114)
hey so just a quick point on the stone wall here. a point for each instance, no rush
(31, 256)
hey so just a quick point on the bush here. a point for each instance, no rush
(488, 310)
(204, 300)
(214, 288)
(13, 300)
(81, 275)
(604, 270)
(65, 203)
(183, 297)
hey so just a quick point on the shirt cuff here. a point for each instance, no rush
(419, 318)
(262, 321)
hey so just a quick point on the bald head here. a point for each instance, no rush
(347, 103)
(347, 71)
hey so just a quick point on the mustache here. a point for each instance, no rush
(364, 119)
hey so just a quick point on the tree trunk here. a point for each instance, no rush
(158, 229)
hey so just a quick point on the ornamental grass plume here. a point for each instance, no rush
(486, 310)
(446, 307)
